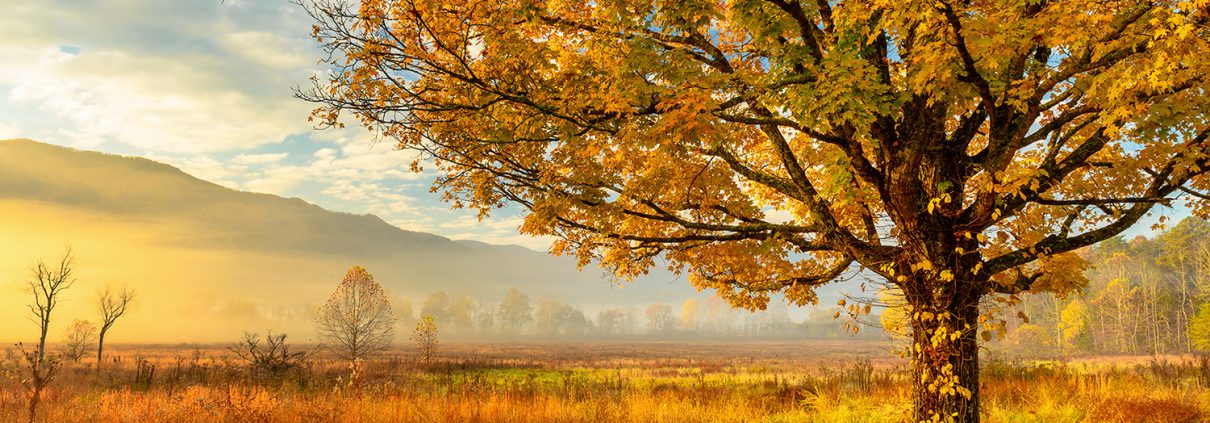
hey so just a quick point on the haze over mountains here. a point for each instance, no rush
(243, 261)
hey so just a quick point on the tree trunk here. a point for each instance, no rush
(33, 406)
(42, 338)
(100, 347)
(945, 355)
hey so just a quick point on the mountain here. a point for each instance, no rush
(139, 187)
(210, 262)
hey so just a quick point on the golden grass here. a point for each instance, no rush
(653, 382)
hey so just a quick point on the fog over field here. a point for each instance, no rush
(210, 262)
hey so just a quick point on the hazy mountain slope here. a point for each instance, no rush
(238, 259)
(139, 187)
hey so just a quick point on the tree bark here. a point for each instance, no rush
(100, 347)
(945, 354)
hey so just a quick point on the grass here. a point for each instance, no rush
(587, 382)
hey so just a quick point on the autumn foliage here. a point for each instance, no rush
(357, 319)
(957, 149)
(425, 337)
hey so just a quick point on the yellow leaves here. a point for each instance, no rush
(924, 265)
(936, 202)
(946, 276)
(939, 336)
(618, 123)
(1073, 320)
(1062, 274)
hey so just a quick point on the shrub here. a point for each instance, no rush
(273, 358)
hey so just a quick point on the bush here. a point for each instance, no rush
(273, 358)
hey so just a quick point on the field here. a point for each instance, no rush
(591, 382)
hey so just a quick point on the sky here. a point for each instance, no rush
(205, 85)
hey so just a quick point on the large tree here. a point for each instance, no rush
(957, 149)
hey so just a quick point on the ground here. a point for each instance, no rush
(843, 381)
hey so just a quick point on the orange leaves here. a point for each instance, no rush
(686, 119)
(759, 155)
(357, 320)
(1062, 274)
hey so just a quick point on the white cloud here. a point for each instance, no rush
(167, 77)
(259, 159)
(206, 168)
(267, 49)
(10, 130)
(206, 87)
(153, 103)
(275, 180)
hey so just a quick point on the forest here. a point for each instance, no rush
(518, 316)
(1140, 296)
(1143, 296)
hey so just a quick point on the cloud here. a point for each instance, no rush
(196, 77)
(10, 130)
(206, 86)
(204, 167)
(275, 180)
(495, 230)
(258, 159)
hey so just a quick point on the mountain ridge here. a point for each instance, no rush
(259, 260)
(22, 158)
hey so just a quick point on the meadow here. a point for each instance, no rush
(800, 381)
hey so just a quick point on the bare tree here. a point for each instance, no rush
(112, 306)
(357, 317)
(46, 285)
(78, 339)
(660, 319)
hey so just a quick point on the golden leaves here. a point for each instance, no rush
(1062, 274)
(722, 136)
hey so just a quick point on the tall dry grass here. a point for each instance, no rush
(655, 382)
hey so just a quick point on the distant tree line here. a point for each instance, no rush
(517, 314)
(1143, 296)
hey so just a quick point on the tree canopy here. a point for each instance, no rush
(957, 149)
(742, 138)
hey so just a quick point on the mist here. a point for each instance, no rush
(209, 263)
